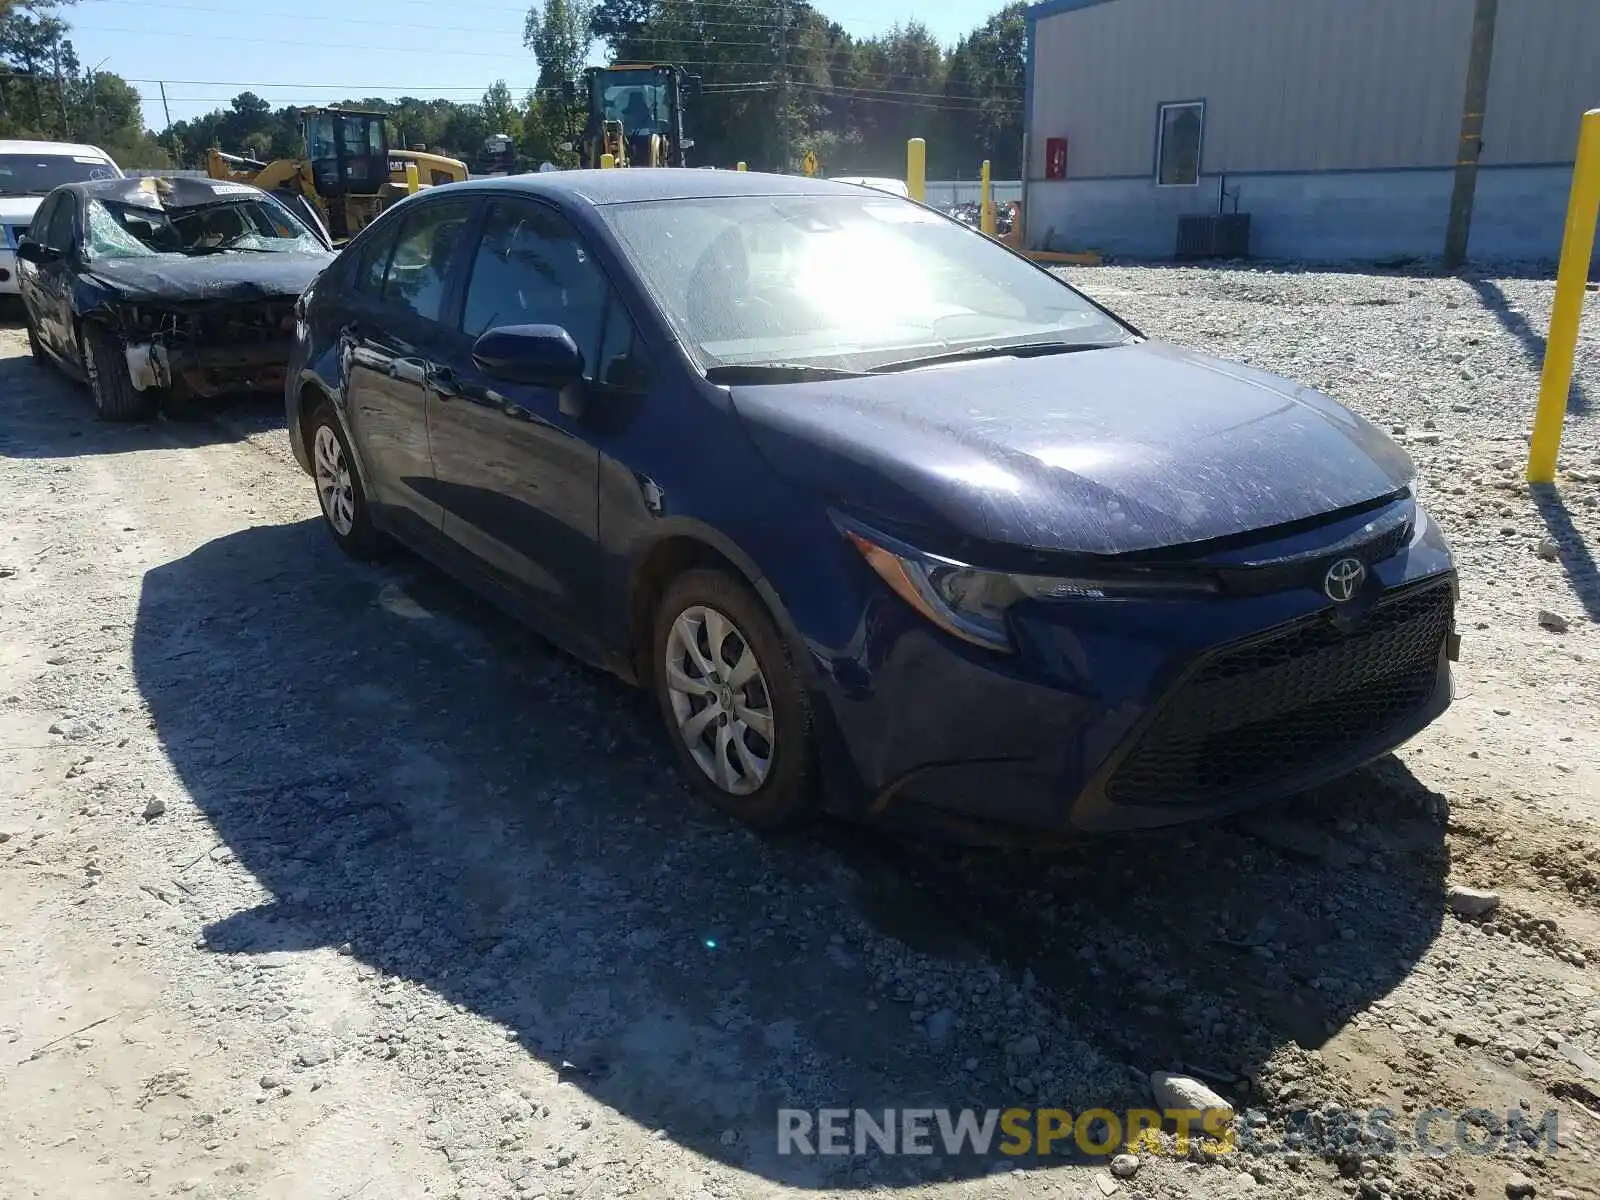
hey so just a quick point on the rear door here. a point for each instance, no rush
(403, 287)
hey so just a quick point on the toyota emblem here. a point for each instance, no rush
(1344, 579)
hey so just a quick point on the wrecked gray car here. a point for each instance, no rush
(166, 291)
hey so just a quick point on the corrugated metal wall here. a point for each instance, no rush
(1546, 74)
(1304, 85)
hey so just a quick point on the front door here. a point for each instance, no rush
(516, 476)
(49, 294)
(391, 344)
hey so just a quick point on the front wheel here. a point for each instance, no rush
(736, 710)
(35, 346)
(339, 491)
(110, 385)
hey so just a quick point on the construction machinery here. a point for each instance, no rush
(635, 114)
(347, 174)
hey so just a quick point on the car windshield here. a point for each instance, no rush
(118, 230)
(843, 283)
(39, 174)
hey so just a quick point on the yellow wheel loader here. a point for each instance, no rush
(635, 114)
(347, 174)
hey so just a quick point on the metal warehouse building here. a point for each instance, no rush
(1333, 123)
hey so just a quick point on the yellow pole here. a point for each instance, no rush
(412, 180)
(607, 161)
(1577, 249)
(917, 169)
(985, 200)
(742, 167)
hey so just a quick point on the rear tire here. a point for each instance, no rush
(109, 382)
(339, 492)
(736, 709)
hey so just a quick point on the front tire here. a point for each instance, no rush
(35, 346)
(339, 492)
(736, 710)
(110, 385)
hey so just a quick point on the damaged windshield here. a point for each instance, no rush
(118, 230)
(40, 174)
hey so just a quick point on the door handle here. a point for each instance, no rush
(408, 370)
(442, 382)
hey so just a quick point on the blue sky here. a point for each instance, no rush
(316, 51)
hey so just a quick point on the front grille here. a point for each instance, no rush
(1276, 706)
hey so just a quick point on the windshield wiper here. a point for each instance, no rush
(754, 373)
(1025, 350)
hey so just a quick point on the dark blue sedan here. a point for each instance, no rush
(892, 521)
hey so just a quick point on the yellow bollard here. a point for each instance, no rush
(742, 167)
(607, 161)
(1577, 248)
(413, 182)
(985, 200)
(917, 169)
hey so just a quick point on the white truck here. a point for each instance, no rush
(29, 171)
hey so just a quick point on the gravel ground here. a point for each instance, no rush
(323, 880)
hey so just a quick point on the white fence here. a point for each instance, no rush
(946, 193)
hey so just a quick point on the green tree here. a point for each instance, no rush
(558, 34)
(500, 110)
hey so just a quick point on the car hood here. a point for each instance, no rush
(18, 210)
(1106, 451)
(241, 275)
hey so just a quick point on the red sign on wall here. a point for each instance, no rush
(1055, 158)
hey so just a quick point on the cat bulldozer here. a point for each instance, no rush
(635, 114)
(347, 174)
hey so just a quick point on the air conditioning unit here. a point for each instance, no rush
(1214, 235)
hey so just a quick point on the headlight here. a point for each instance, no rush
(971, 603)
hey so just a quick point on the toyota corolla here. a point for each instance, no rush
(892, 521)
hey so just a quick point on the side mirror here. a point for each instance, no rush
(37, 253)
(543, 355)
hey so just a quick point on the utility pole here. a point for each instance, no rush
(167, 112)
(1459, 231)
(783, 82)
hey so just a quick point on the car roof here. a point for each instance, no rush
(629, 184)
(53, 149)
(163, 191)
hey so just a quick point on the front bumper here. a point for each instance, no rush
(9, 284)
(1118, 715)
(208, 370)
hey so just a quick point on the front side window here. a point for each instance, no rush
(58, 233)
(531, 269)
(39, 174)
(841, 282)
(258, 225)
(426, 251)
(1178, 138)
(39, 226)
(372, 261)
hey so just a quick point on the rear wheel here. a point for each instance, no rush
(339, 491)
(109, 382)
(736, 710)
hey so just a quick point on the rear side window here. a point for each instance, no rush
(424, 255)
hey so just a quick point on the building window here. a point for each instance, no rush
(1178, 136)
